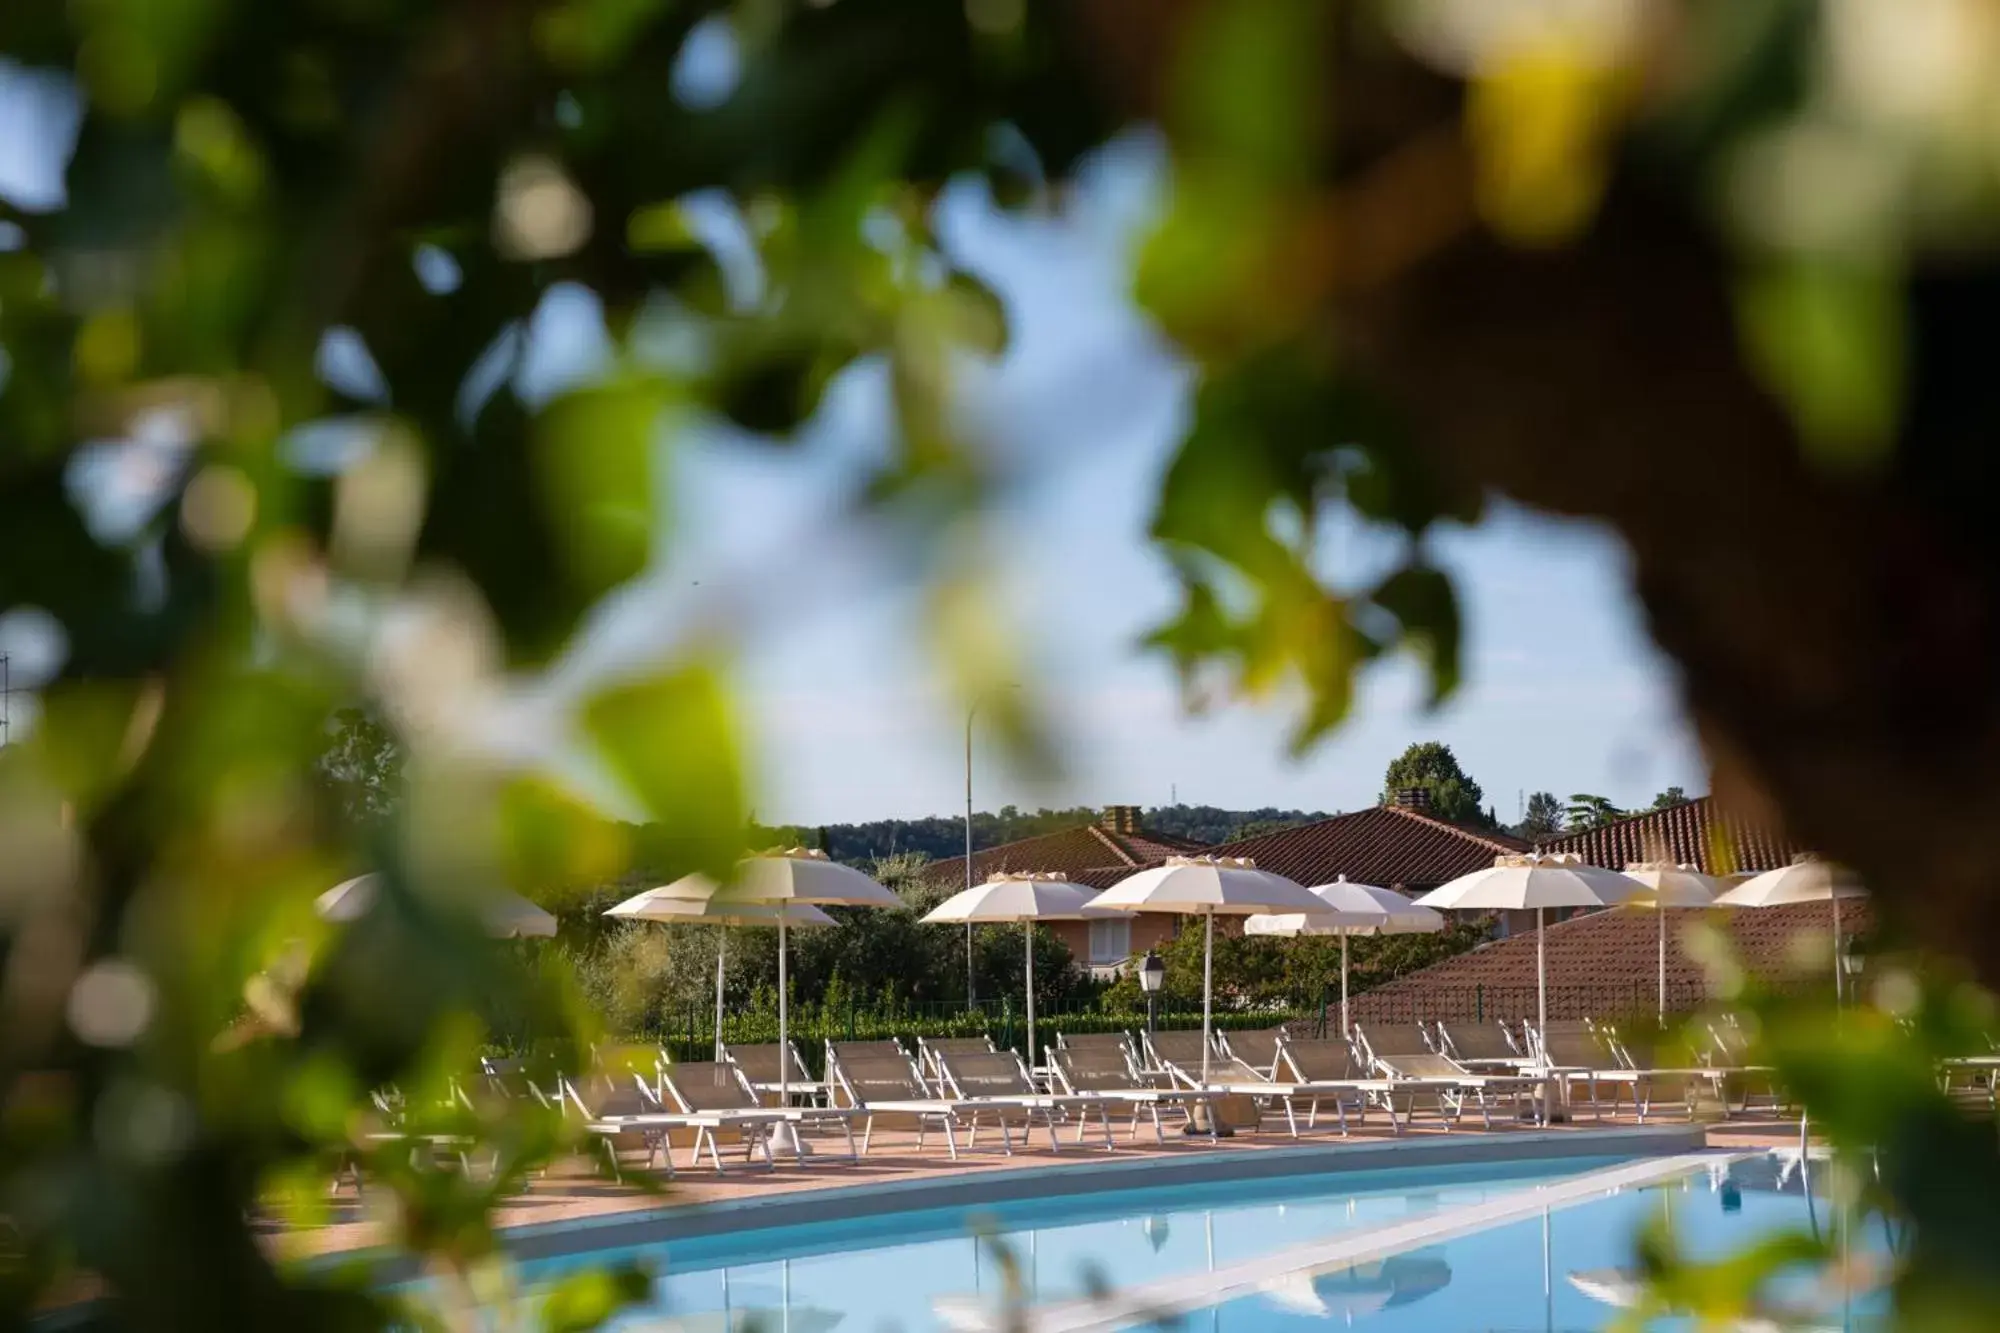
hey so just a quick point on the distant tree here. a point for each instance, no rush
(1257, 828)
(1543, 819)
(1432, 766)
(1587, 811)
(1672, 796)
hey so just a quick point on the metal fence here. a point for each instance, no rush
(1478, 1003)
(690, 1031)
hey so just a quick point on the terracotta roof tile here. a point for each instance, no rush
(1072, 851)
(1598, 962)
(1696, 832)
(1385, 845)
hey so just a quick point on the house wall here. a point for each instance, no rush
(1150, 930)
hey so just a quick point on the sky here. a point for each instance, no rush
(1563, 691)
(847, 717)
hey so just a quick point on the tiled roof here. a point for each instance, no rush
(1087, 854)
(1385, 845)
(1599, 961)
(1696, 832)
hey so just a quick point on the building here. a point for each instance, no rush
(1698, 833)
(1605, 963)
(1096, 856)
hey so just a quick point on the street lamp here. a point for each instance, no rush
(969, 714)
(1152, 976)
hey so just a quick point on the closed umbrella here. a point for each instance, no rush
(1516, 883)
(1350, 909)
(505, 915)
(794, 875)
(1205, 886)
(662, 904)
(1670, 885)
(1806, 880)
(1026, 898)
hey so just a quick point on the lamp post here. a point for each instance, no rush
(970, 713)
(1152, 976)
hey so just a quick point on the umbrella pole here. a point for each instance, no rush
(1207, 986)
(1542, 1014)
(784, 1022)
(1029, 927)
(721, 951)
(1660, 910)
(1837, 997)
(1344, 1028)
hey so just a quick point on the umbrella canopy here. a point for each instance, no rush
(1806, 880)
(660, 905)
(1361, 1290)
(795, 875)
(1207, 885)
(1670, 885)
(1515, 883)
(1199, 885)
(1027, 898)
(1350, 909)
(506, 915)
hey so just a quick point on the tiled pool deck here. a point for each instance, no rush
(575, 1197)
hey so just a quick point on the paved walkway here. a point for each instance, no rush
(576, 1189)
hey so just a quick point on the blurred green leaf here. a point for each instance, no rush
(1828, 337)
(584, 1301)
(594, 450)
(673, 741)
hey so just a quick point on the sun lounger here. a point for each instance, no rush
(929, 1048)
(617, 1115)
(1180, 1054)
(1330, 1062)
(1580, 1057)
(1119, 1043)
(876, 1083)
(1379, 1039)
(1110, 1075)
(1454, 1084)
(759, 1065)
(1258, 1049)
(1483, 1044)
(704, 1087)
(987, 1075)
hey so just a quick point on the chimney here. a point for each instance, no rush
(1121, 819)
(1413, 798)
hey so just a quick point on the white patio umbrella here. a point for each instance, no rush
(1205, 886)
(1027, 898)
(1670, 885)
(1350, 909)
(661, 905)
(506, 915)
(1806, 880)
(1516, 883)
(794, 875)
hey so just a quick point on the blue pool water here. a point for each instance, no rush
(888, 1272)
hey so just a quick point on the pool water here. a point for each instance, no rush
(890, 1272)
(886, 1272)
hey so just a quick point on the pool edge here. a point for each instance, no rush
(836, 1203)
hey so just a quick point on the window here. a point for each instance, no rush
(1110, 942)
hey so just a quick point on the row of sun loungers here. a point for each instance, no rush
(959, 1086)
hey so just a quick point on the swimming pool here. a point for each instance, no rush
(926, 1268)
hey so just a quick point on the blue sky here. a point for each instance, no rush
(849, 719)
(1563, 689)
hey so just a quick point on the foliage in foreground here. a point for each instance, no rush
(1713, 272)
